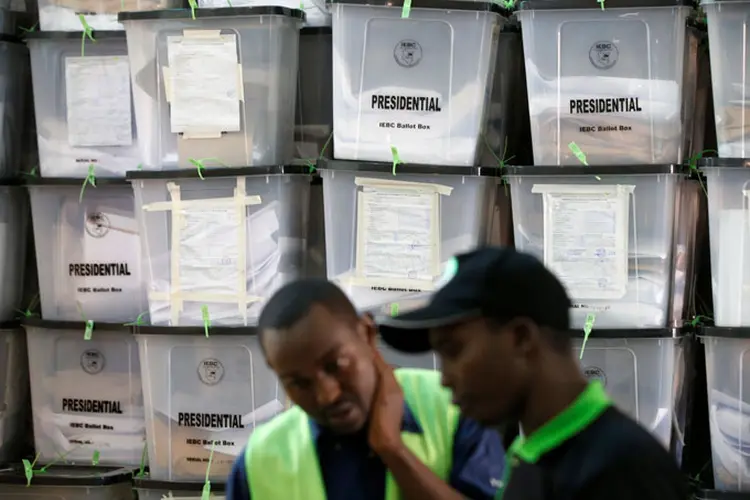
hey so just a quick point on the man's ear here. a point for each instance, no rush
(369, 328)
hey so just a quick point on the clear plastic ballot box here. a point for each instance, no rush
(608, 233)
(389, 236)
(14, 224)
(220, 246)
(83, 104)
(86, 393)
(14, 69)
(314, 114)
(100, 15)
(727, 351)
(219, 88)
(420, 84)
(639, 369)
(728, 183)
(151, 489)
(728, 43)
(62, 482)
(614, 81)
(14, 391)
(204, 392)
(88, 250)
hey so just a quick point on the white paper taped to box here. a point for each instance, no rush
(204, 98)
(397, 238)
(586, 243)
(219, 256)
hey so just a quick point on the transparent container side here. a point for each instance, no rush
(314, 114)
(421, 85)
(451, 214)
(14, 222)
(614, 86)
(84, 111)
(121, 491)
(14, 393)
(88, 253)
(192, 231)
(100, 15)
(729, 407)
(86, 396)
(14, 66)
(620, 228)
(727, 34)
(638, 374)
(154, 494)
(247, 86)
(729, 228)
(203, 394)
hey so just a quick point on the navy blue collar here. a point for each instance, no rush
(408, 424)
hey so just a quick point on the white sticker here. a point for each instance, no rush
(398, 232)
(97, 93)
(586, 237)
(204, 85)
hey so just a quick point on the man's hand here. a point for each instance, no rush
(387, 410)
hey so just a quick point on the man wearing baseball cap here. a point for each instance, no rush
(500, 325)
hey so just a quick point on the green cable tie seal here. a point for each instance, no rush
(200, 165)
(140, 166)
(693, 165)
(601, 3)
(30, 30)
(90, 179)
(406, 9)
(144, 454)
(325, 145)
(32, 304)
(206, 493)
(394, 310)
(87, 32)
(138, 321)
(396, 158)
(590, 318)
(193, 6)
(95, 458)
(89, 331)
(578, 153)
(28, 469)
(59, 458)
(206, 319)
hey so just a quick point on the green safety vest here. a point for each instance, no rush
(282, 462)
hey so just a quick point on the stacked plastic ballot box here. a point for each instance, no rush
(419, 94)
(607, 205)
(223, 216)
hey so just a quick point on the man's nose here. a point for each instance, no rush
(327, 391)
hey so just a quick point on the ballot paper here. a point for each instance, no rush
(204, 83)
(729, 422)
(227, 264)
(586, 237)
(98, 102)
(98, 269)
(731, 279)
(88, 397)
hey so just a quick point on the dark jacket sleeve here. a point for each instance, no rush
(478, 461)
(237, 488)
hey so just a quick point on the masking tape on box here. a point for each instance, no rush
(176, 296)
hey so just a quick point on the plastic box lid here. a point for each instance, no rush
(147, 483)
(75, 325)
(610, 4)
(726, 332)
(562, 170)
(72, 35)
(68, 475)
(192, 173)
(406, 168)
(210, 13)
(721, 495)
(213, 331)
(475, 6)
(629, 333)
(713, 162)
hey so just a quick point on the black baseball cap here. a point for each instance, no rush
(492, 282)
